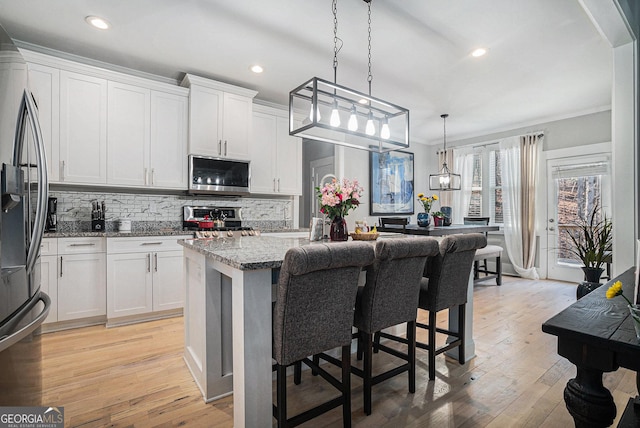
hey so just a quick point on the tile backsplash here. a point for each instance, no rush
(164, 211)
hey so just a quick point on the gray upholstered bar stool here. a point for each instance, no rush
(445, 286)
(488, 252)
(388, 298)
(313, 313)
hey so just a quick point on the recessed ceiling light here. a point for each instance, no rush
(98, 22)
(257, 69)
(478, 52)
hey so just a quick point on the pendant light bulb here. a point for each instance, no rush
(353, 120)
(335, 115)
(318, 117)
(370, 129)
(385, 132)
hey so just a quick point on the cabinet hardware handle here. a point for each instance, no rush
(88, 244)
(151, 243)
(60, 266)
(155, 259)
(278, 184)
(145, 176)
(62, 170)
(225, 147)
(152, 176)
(219, 147)
(274, 184)
(148, 262)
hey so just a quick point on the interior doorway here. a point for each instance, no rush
(576, 185)
(322, 172)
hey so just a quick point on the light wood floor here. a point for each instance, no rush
(135, 375)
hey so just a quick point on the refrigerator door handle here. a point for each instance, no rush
(7, 341)
(29, 111)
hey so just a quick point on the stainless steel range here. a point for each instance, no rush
(214, 222)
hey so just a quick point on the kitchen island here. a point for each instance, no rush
(227, 319)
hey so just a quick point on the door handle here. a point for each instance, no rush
(155, 260)
(60, 266)
(148, 262)
(225, 147)
(219, 147)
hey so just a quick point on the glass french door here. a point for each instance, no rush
(576, 186)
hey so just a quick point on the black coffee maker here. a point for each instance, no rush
(52, 216)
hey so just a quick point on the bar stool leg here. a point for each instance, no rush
(346, 386)
(368, 363)
(281, 396)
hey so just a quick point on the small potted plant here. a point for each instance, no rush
(591, 241)
(438, 218)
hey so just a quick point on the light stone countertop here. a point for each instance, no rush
(117, 234)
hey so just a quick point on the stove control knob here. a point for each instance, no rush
(215, 233)
(252, 233)
(230, 233)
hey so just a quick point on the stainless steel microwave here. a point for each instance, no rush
(219, 175)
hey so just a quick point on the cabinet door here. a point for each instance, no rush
(169, 115)
(263, 152)
(168, 280)
(49, 284)
(82, 289)
(128, 124)
(205, 121)
(129, 284)
(44, 83)
(288, 160)
(83, 129)
(236, 128)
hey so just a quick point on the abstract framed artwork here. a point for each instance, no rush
(391, 183)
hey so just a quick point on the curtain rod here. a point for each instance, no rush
(538, 134)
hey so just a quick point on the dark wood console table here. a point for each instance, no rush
(597, 335)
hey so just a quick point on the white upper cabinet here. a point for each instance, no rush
(108, 128)
(220, 117)
(44, 83)
(276, 157)
(128, 130)
(168, 156)
(83, 128)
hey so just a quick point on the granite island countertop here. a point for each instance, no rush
(246, 252)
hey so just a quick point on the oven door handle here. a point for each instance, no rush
(12, 339)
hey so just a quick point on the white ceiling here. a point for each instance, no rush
(546, 60)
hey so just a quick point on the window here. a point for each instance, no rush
(486, 185)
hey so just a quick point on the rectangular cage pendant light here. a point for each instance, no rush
(325, 111)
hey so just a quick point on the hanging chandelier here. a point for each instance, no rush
(325, 111)
(445, 179)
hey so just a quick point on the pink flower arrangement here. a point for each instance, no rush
(337, 198)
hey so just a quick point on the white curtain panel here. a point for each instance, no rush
(514, 226)
(463, 165)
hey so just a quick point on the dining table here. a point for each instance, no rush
(439, 232)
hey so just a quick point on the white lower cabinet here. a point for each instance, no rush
(144, 275)
(81, 278)
(49, 275)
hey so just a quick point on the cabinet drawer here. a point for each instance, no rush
(49, 247)
(83, 245)
(146, 244)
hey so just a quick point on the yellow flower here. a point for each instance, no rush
(424, 199)
(614, 290)
(420, 195)
(435, 197)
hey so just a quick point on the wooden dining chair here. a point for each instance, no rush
(483, 254)
(313, 313)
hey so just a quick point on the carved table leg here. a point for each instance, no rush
(588, 401)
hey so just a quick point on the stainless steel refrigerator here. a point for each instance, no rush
(24, 191)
